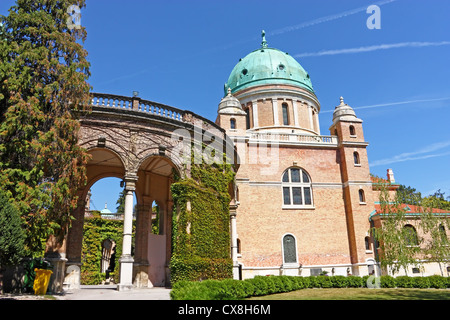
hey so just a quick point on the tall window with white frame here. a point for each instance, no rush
(297, 189)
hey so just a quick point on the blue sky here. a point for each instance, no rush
(397, 78)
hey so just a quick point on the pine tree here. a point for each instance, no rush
(43, 87)
(12, 236)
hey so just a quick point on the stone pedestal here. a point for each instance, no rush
(58, 275)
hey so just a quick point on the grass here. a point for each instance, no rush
(360, 294)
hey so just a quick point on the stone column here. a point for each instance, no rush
(255, 114)
(276, 121)
(143, 225)
(126, 260)
(234, 245)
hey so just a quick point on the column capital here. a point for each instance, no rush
(130, 180)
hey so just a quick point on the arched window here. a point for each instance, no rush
(289, 249)
(352, 131)
(232, 123)
(285, 114)
(362, 196)
(410, 234)
(297, 189)
(356, 158)
(367, 243)
(443, 234)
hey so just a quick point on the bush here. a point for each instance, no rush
(324, 282)
(387, 282)
(263, 285)
(339, 281)
(404, 282)
(356, 282)
(259, 285)
(421, 282)
(438, 282)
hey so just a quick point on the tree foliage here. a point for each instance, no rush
(398, 246)
(43, 74)
(410, 238)
(12, 236)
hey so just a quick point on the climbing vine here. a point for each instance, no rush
(201, 232)
(95, 231)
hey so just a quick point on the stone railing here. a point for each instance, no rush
(295, 138)
(136, 104)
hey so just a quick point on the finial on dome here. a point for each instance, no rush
(342, 101)
(229, 91)
(264, 42)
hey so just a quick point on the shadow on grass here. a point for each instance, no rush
(361, 294)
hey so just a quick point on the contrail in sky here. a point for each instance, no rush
(372, 48)
(393, 104)
(415, 155)
(326, 19)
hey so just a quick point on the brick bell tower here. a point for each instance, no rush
(355, 174)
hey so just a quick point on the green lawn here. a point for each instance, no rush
(361, 294)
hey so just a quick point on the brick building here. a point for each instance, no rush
(304, 199)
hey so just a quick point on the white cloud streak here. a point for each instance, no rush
(394, 104)
(424, 153)
(372, 48)
(326, 19)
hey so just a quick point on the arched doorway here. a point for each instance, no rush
(104, 165)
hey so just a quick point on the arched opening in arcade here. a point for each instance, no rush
(103, 232)
(141, 255)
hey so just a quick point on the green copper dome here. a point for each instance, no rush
(267, 66)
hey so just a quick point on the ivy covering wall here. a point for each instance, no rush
(95, 231)
(201, 224)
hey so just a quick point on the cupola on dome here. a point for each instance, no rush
(267, 66)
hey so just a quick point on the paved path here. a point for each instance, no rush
(111, 293)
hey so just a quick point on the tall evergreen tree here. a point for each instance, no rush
(12, 236)
(43, 87)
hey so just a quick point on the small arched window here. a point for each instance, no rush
(443, 234)
(289, 249)
(356, 158)
(367, 243)
(232, 123)
(297, 189)
(352, 131)
(410, 235)
(362, 196)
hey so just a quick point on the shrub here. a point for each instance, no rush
(339, 281)
(259, 285)
(421, 282)
(356, 282)
(387, 282)
(437, 282)
(263, 285)
(404, 282)
(324, 282)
